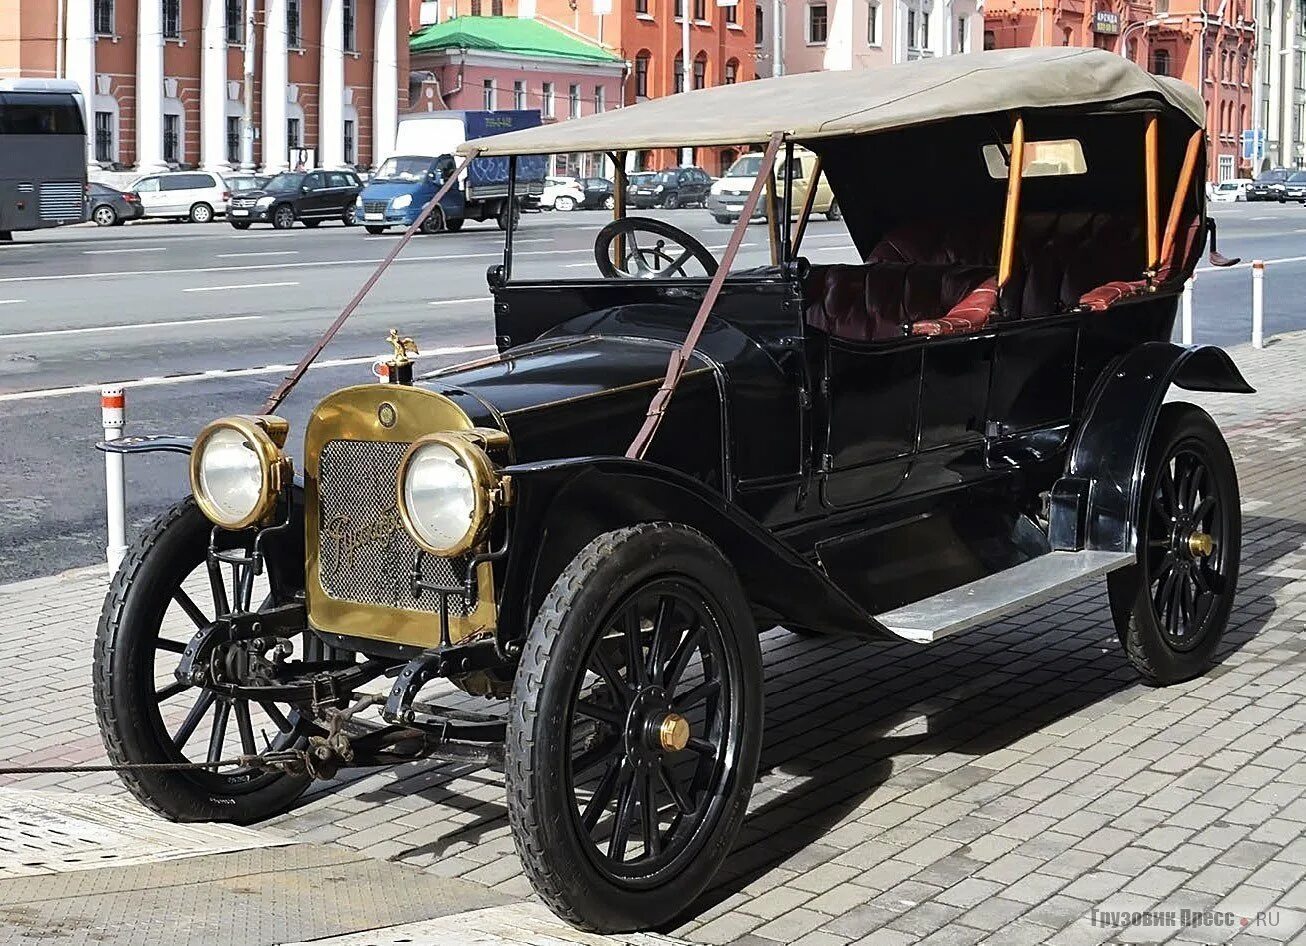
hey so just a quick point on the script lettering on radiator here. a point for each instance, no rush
(347, 537)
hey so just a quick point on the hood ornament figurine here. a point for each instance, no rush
(399, 369)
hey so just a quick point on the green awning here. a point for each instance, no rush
(507, 34)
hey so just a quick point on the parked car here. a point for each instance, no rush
(1269, 185)
(401, 187)
(236, 183)
(562, 193)
(727, 194)
(1226, 192)
(598, 193)
(1294, 186)
(307, 196)
(198, 196)
(109, 207)
(672, 188)
(595, 522)
(636, 179)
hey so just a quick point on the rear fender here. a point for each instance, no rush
(1095, 504)
(559, 506)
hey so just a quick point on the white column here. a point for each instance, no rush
(213, 87)
(80, 63)
(331, 87)
(149, 86)
(385, 83)
(275, 80)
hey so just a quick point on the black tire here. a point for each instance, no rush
(609, 202)
(201, 213)
(124, 681)
(1171, 608)
(6, 236)
(348, 216)
(240, 224)
(721, 218)
(311, 223)
(283, 217)
(453, 226)
(834, 213)
(565, 204)
(104, 216)
(612, 578)
(501, 218)
(375, 231)
(671, 202)
(434, 223)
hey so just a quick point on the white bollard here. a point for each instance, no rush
(1187, 303)
(113, 414)
(1258, 303)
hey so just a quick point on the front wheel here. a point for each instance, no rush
(201, 213)
(240, 224)
(508, 211)
(311, 223)
(834, 213)
(159, 598)
(375, 231)
(564, 203)
(283, 218)
(1171, 607)
(609, 203)
(635, 728)
(453, 225)
(672, 202)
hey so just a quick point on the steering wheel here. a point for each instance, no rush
(649, 262)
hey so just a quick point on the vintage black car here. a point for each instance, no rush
(591, 526)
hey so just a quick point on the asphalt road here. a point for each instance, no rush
(227, 311)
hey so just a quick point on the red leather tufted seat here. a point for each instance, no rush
(884, 299)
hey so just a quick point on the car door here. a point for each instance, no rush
(314, 199)
(151, 196)
(338, 194)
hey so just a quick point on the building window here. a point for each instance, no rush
(873, 23)
(700, 71)
(925, 29)
(104, 17)
(476, 7)
(172, 19)
(1160, 62)
(488, 95)
(732, 72)
(700, 10)
(680, 9)
(818, 23)
(233, 140)
(235, 21)
(600, 99)
(550, 101)
(990, 39)
(104, 137)
(496, 7)
(351, 152)
(1162, 7)
(759, 29)
(518, 94)
(573, 102)
(293, 38)
(294, 133)
(678, 79)
(911, 29)
(351, 27)
(963, 35)
(732, 12)
(641, 75)
(641, 6)
(172, 139)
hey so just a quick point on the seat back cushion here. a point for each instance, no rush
(882, 299)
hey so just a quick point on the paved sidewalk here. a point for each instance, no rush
(998, 787)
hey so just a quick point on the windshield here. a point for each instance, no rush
(1272, 177)
(746, 166)
(666, 177)
(403, 169)
(1298, 177)
(285, 183)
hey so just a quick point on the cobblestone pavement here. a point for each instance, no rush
(998, 787)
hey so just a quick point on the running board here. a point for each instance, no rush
(997, 595)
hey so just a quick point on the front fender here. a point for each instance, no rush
(559, 506)
(1095, 504)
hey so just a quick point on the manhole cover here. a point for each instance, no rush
(54, 832)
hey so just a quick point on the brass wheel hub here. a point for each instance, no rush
(673, 732)
(653, 728)
(1200, 544)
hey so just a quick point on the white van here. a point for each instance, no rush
(195, 195)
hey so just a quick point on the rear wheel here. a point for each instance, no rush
(609, 202)
(834, 213)
(104, 216)
(283, 217)
(672, 202)
(635, 728)
(348, 217)
(6, 236)
(375, 231)
(564, 203)
(721, 218)
(502, 218)
(1171, 608)
(453, 226)
(201, 213)
(240, 224)
(159, 598)
(434, 222)
(311, 223)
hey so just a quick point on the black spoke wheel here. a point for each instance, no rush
(1171, 608)
(636, 729)
(160, 596)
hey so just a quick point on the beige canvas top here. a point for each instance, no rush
(813, 105)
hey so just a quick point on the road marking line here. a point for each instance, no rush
(722, 246)
(250, 285)
(11, 301)
(210, 375)
(124, 328)
(1262, 218)
(134, 249)
(456, 301)
(254, 267)
(264, 253)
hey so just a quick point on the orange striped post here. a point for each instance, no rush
(113, 414)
